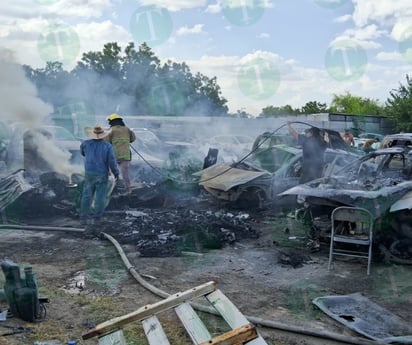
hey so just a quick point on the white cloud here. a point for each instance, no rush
(175, 5)
(368, 36)
(237, 3)
(343, 19)
(263, 35)
(384, 12)
(402, 29)
(389, 56)
(298, 84)
(24, 9)
(369, 32)
(214, 8)
(94, 35)
(77, 8)
(23, 36)
(196, 29)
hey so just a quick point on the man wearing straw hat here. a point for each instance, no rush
(100, 160)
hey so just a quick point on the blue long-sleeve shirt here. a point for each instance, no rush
(100, 158)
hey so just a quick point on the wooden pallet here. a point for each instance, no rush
(242, 331)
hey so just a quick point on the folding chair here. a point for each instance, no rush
(351, 233)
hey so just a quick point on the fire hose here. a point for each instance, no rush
(255, 320)
(40, 228)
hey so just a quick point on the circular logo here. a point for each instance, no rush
(59, 43)
(166, 98)
(405, 45)
(151, 24)
(332, 4)
(242, 12)
(259, 79)
(346, 60)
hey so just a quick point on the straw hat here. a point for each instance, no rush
(98, 132)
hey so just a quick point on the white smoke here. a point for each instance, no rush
(18, 95)
(22, 109)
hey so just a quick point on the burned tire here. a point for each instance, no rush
(253, 198)
(399, 252)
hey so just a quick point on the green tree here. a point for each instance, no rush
(133, 82)
(99, 74)
(399, 106)
(51, 81)
(349, 104)
(314, 107)
(271, 110)
(140, 73)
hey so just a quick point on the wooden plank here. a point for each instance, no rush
(192, 323)
(236, 336)
(227, 309)
(150, 309)
(154, 331)
(230, 313)
(115, 338)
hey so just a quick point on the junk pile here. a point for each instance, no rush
(12, 186)
(161, 233)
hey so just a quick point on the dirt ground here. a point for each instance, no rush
(273, 277)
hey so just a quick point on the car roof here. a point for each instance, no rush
(399, 136)
(370, 135)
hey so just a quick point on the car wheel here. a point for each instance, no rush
(252, 198)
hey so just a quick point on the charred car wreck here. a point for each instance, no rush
(381, 183)
(271, 168)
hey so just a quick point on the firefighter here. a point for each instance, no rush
(120, 136)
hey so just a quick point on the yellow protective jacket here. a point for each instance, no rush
(120, 137)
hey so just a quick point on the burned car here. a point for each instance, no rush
(256, 181)
(380, 182)
(398, 139)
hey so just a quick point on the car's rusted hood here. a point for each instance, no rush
(224, 176)
(377, 201)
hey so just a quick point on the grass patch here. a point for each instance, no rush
(299, 299)
(288, 232)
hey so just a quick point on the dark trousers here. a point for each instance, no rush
(94, 194)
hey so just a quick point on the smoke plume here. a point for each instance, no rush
(23, 110)
(18, 95)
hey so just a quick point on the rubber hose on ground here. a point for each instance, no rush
(40, 228)
(254, 320)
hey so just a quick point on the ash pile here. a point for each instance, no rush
(160, 220)
(173, 231)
